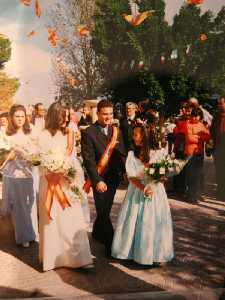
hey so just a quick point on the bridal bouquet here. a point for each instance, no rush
(56, 161)
(162, 165)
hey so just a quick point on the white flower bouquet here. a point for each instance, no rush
(56, 161)
(29, 152)
(162, 165)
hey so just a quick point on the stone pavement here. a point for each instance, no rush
(197, 271)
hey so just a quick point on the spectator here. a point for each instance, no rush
(39, 116)
(195, 136)
(4, 121)
(179, 144)
(207, 117)
(218, 137)
(86, 118)
(127, 124)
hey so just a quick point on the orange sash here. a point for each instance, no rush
(54, 188)
(103, 162)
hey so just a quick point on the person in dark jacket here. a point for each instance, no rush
(94, 142)
(126, 124)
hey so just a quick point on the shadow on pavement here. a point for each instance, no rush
(107, 278)
(7, 244)
(10, 293)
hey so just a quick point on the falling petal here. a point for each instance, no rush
(31, 33)
(194, 2)
(26, 2)
(137, 19)
(37, 8)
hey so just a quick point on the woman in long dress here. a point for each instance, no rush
(144, 228)
(18, 188)
(63, 238)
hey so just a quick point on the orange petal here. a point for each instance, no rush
(128, 18)
(37, 8)
(26, 2)
(138, 19)
(31, 33)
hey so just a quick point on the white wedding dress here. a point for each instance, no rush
(63, 240)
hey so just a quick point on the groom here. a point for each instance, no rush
(104, 159)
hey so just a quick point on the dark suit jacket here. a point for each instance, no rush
(93, 145)
(126, 129)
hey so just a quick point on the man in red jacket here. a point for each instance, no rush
(179, 181)
(196, 134)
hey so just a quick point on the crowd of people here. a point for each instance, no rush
(105, 154)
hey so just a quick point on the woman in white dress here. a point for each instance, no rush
(63, 238)
(18, 189)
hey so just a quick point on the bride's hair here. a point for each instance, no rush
(12, 128)
(56, 118)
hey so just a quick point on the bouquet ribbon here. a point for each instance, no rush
(103, 162)
(55, 189)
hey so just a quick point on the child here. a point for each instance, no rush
(144, 229)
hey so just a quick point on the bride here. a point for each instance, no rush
(63, 238)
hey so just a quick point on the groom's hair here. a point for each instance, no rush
(104, 103)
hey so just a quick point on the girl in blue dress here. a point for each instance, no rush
(144, 230)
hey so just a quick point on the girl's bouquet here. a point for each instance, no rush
(162, 165)
(5, 147)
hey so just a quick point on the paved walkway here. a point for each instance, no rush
(199, 265)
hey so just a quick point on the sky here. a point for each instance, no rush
(31, 59)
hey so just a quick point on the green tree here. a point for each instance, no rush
(5, 50)
(8, 87)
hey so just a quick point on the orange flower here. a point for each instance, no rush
(37, 8)
(26, 2)
(31, 33)
(137, 19)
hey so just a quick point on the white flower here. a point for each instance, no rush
(162, 171)
(151, 171)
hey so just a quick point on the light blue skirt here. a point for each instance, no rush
(144, 230)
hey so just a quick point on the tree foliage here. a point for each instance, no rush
(5, 50)
(74, 62)
(199, 39)
(8, 87)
